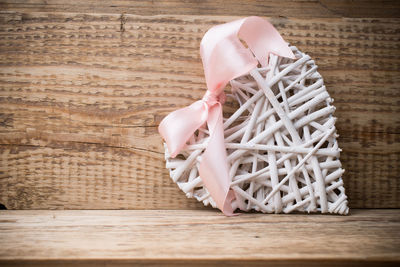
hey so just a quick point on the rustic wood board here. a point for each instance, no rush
(81, 96)
(171, 236)
(277, 8)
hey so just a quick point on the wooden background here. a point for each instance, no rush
(83, 87)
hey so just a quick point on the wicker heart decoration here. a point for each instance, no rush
(278, 151)
(281, 143)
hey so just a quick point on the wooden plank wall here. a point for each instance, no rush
(84, 86)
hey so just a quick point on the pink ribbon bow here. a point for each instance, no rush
(224, 58)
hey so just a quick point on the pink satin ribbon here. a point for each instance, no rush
(224, 58)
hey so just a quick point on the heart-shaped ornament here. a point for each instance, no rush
(281, 144)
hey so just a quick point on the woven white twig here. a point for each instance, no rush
(281, 143)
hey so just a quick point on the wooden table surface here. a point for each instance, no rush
(84, 85)
(174, 237)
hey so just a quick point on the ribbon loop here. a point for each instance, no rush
(224, 58)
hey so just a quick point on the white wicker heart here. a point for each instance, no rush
(281, 143)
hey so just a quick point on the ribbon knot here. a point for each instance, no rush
(211, 98)
(224, 58)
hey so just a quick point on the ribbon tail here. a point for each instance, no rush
(180, 125)
(213, 168)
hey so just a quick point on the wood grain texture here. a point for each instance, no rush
(81, 96)
(283, 8)
(198, 237)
